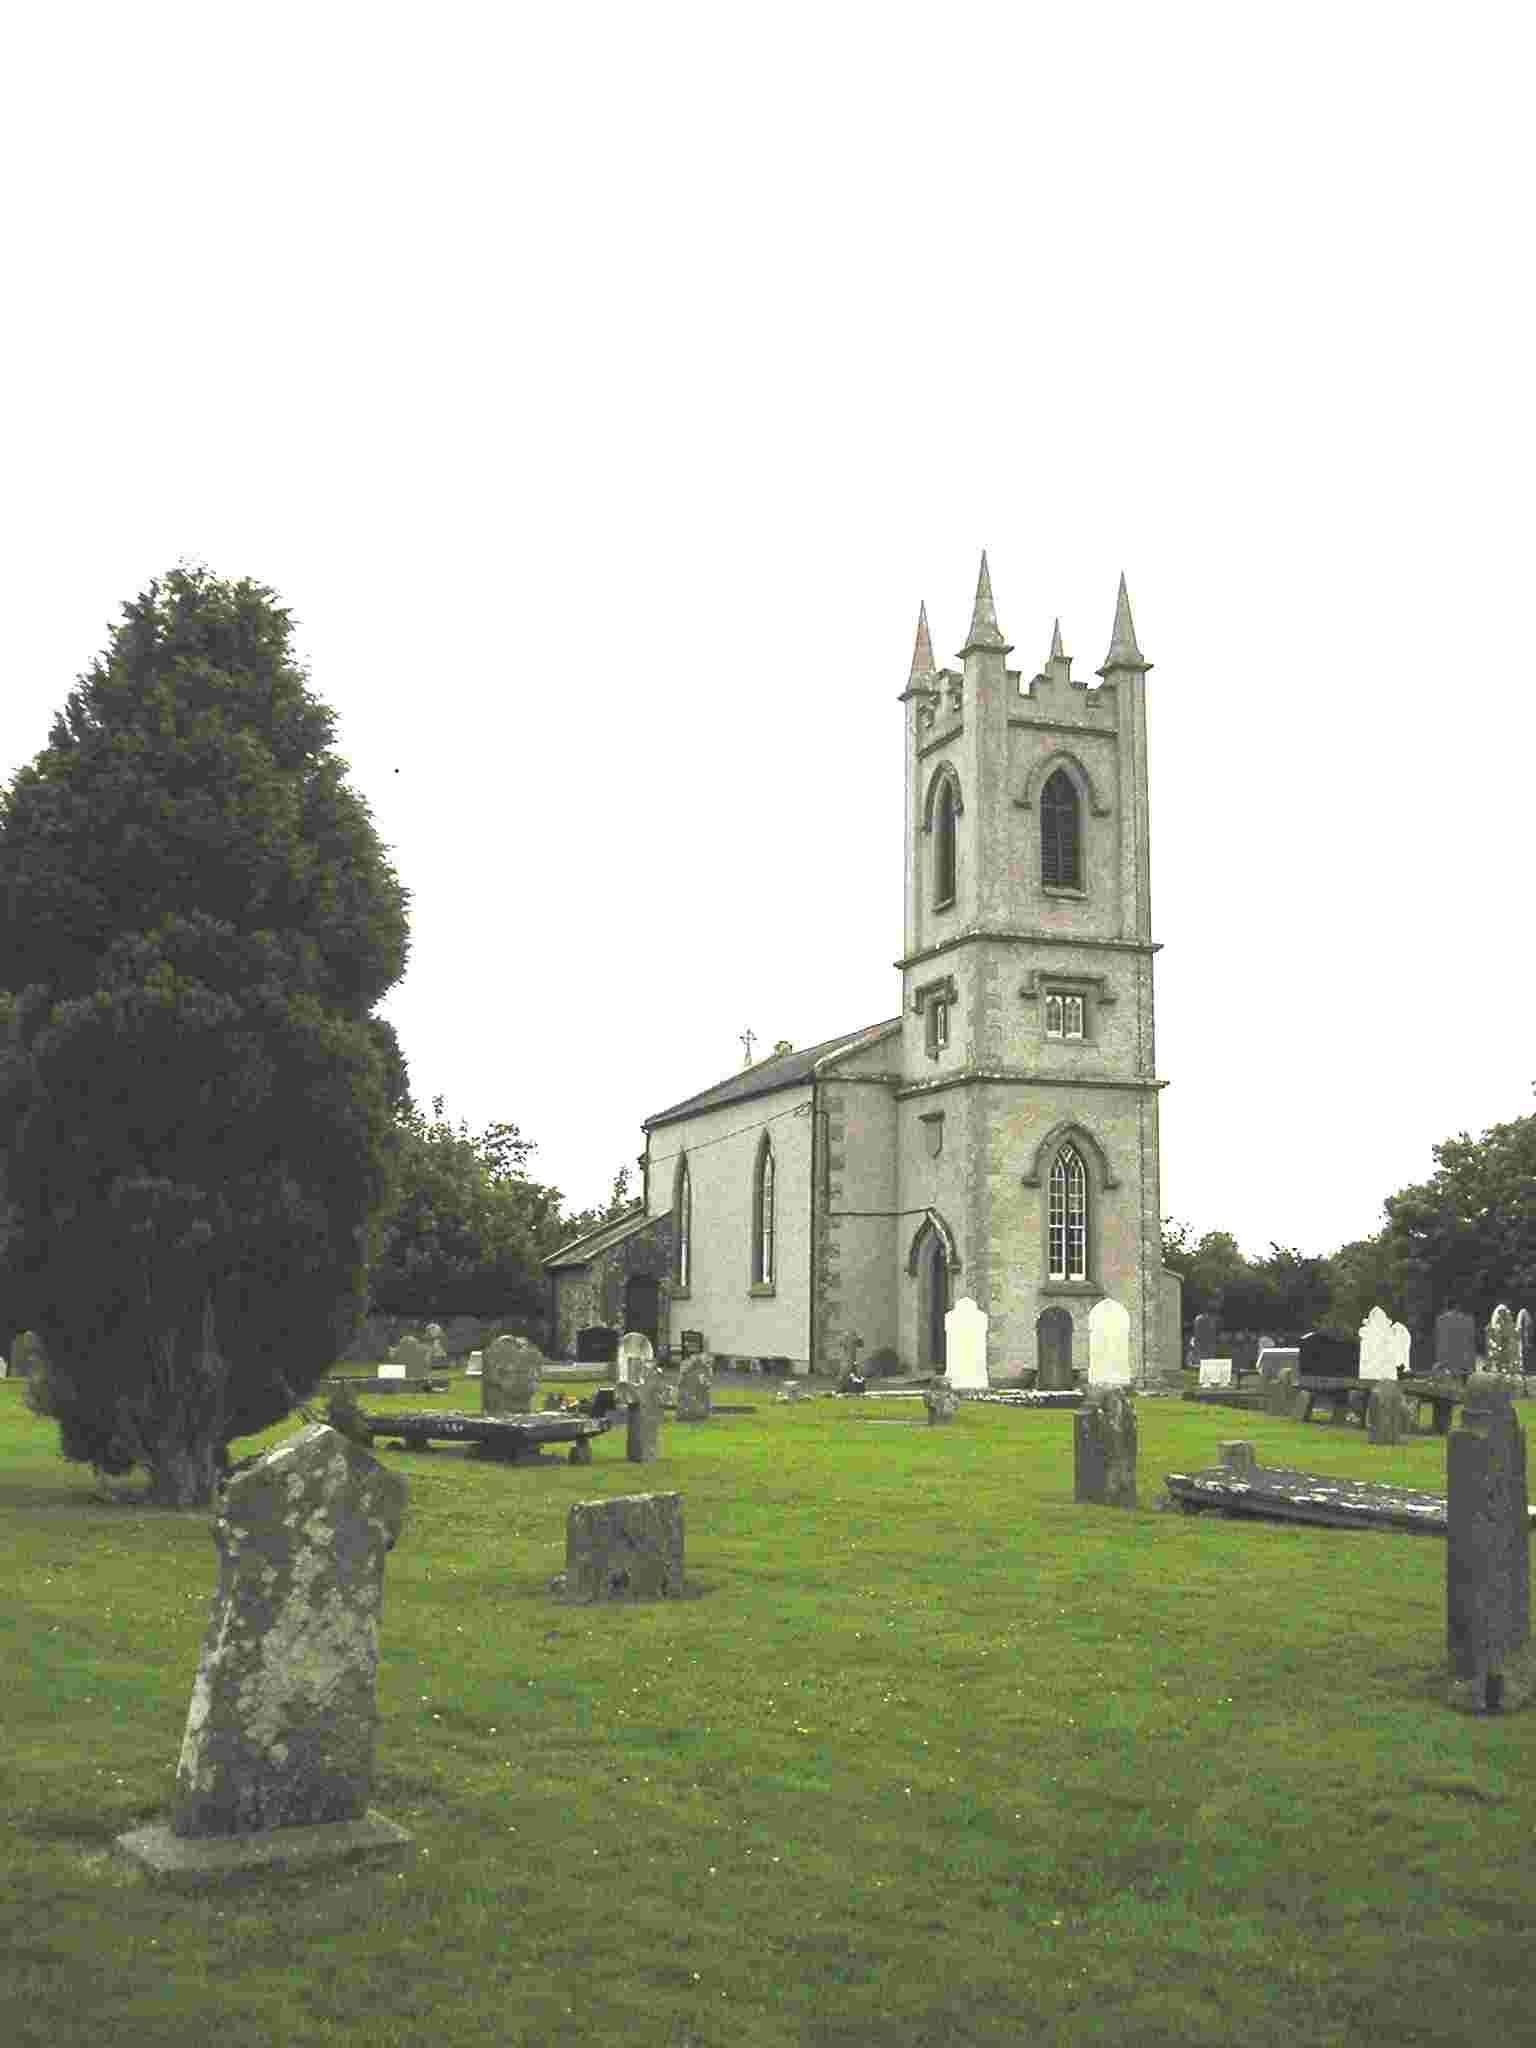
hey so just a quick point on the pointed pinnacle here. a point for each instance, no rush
(922, 653)
(1058, 652)
(984, 627)
(1123, 651)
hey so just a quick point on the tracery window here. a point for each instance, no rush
(1068, 1222)
(1063, 1016)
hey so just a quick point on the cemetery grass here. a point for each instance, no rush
(927, 1755)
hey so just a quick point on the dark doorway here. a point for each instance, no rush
(934, 1268)
(1053, 1351)
(642, 1295)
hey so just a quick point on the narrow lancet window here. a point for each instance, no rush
(1061, 865)
(944, 845)
(684, 1224)
(1068, 1227)
(762, 1218)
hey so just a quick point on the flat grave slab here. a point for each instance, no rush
(509, 1436)
(433, 1385)
(1280, 1493)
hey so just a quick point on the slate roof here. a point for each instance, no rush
(781, 1071)
(614, 1231)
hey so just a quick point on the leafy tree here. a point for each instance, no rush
(583, 1220)
(196, 919)
(1466, 1238)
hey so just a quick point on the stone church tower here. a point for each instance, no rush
(1027, 1112)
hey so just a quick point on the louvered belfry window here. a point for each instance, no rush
(1061, 864)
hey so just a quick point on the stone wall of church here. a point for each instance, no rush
(595, 1293)
(855, 1251)
(722, 1146)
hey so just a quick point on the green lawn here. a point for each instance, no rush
(929, 1756)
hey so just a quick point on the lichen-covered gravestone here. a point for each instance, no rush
(277, 1761)
(1104, 1448)
(1387, 1416)
(695, 1384)
(941, 1401)
(642, 1440)
(628, 1547)
(1488, 1554)
(413, 1355)
(510, 1372)
(1280, 1392)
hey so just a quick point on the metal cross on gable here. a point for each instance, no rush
(747, 1038)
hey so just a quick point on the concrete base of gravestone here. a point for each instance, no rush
(1104, 1448)
(1388, 1418)
(629, 1547)
(206, 1859)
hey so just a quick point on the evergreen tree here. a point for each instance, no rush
(196, 1103)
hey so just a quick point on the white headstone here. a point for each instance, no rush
(635, 1348)
(391, 1372)
(1378, 1347)
(1503, 1342)
(965, 1345)
(1402, 1337)
(1215, 1372)
(5, 1368)
(476, 1365)
(1109, 1344)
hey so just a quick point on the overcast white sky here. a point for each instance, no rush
(603, 386)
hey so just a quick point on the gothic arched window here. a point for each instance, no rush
(762, 1217)
(682, 1226)
(1067, 1231)
(944, 845)
(1061, 862)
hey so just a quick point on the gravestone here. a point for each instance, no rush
(26, 1354)
(1170, 1327)
(965, 1345)
(1206, 1338)
(461, 1336)
(851, 1346)
(433, 1338)
(1421, 1353)
(597, 1345)
(1245, 1355)
(391, 1372)
(1328, 1355)
(476, 1366)
(1274, 1357)
(1053, 1349)
(1503, 1342)
(277, 1760)
(635, 1350)
(695, 1383)
(1523, 1333)
(1379, 1347)
(1215, 1372)
(1488, 1554)
(941, 1401)
(1109, 1344)
(1280, 1391)
(1455, 1342)
(412, 1356)
(1237, 1454)
(628, 1547)
(4, 1369)
(1388, 1417)
(1262, 1344)
(1402, 1340)
(1104, 1447)
(510, 1372)
(642, 1440)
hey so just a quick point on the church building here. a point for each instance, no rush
(998, 1138)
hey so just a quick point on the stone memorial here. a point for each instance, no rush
(941, 1401)
(1053, 1350)
(462, 1336)
(1402, 1339)
(1379, 1347)
(628, 1547)
(1280, 1390)
(26, 1354)
(1488, 1554)
(1328, 1355)
(1109, 1344)
(1388, 1417)
(1206, 1338)
(277, 1761)
(412, 1356)
(4, 1368)
(1273, 1357)
(965, 1346)
(1523, 1333)
(510, 1372)
(1245, 1355)
(635, 1350)
(1237, 1454)
(642, 1442)
(1503, 1342)
(695, 1384)
(391, 1372)
(1455, 1342)
(433, 1339)
(1104, 1446)
(1215, 1372)
(476, 1367)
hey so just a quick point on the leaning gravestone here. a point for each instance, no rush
(635, 1350)
(1104, 1448)
(1488, 1554)
(1216, 1372)
(1388, 1418)
(1053, 1349)
(510, 1372)
(695, 1383)
(965, 1345)
(941, 1401)
(1109, 1344)
(1503, 1342)
(277, 1762)
(628, 1547)
(1379, 1347)
(1455, 1342)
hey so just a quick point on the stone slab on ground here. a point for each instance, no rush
(205, 1859)
(1280, 1493)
